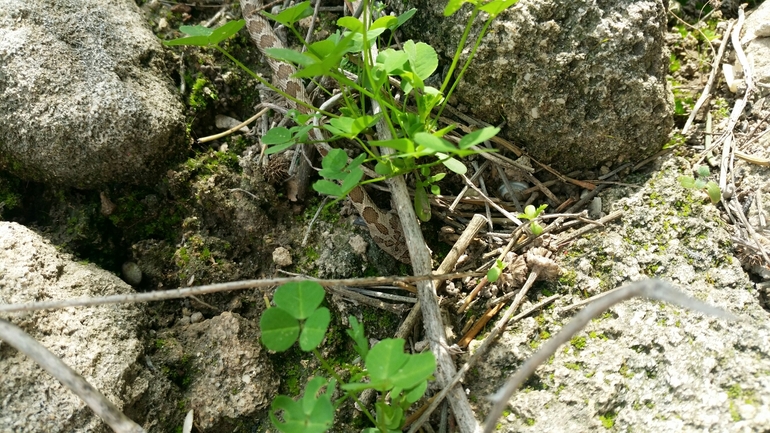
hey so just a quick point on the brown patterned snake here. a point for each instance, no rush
(384, 227)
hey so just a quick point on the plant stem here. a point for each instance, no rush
(465, 66)
(339, 380)
(459, 51)
(270, 86)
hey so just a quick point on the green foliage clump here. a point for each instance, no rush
(299, 317)
(412, 143)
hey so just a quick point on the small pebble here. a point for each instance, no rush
(196, 317)
(282, 257)
(132, 274)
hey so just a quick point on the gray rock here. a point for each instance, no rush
(132, 273)
(644, 366)
(227, 374)
(101, 343)
(83, 100)
(579, 84)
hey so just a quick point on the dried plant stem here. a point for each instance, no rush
(215, 288)
(651, 289)
(707, 89)
(480, 351)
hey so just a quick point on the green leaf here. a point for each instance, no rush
(530, 212)
(714, 192)
(404, 17)
(453, 164)
(417, 392)
(430, 141)
(494, 272)
(421, 203)
(279, 148)
(393, 62)
(314, 329)
(300, 299)
(686, 181)
(204, 37)
(495, 7)
(225, 31)
(703, 171)
(279, 329)
(478, 136)
(290, 56)
(330, 61)
(384, 361)
(423, 59)
(390, 417)
(356, 332)
(192, 41)
(403, 145)
(314, 414)
(333, 163)
(383, 168)
(535, 228)
(418, 368)
(277, 135)
(324, 186)
(291, 15)
(198, 30)
(351, 180)
(350, 127)
(436, 177)
(453, 6)
(352, 24)
(386, 21)
(435, 190)
(356, 386)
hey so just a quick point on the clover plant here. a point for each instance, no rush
(403, 378)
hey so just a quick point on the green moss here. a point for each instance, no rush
(572, 365)
(625, 372)
(200, 94)
(578, 343)
(734, 391)
(594, 335)
(608, 419)
(568, 278)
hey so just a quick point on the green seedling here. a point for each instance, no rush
(403, 378)
(531, 214)
(495, 271)
(700, 182)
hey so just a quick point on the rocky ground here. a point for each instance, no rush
(221, 214)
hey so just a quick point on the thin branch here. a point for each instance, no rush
(220, 287)
(103, 408)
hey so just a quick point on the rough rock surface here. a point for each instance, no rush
(579, 84)
(644, 366)
(756, 42)
(226, 373)
(83, 99)
(101, 343)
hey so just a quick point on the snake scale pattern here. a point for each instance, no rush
(384, 227)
